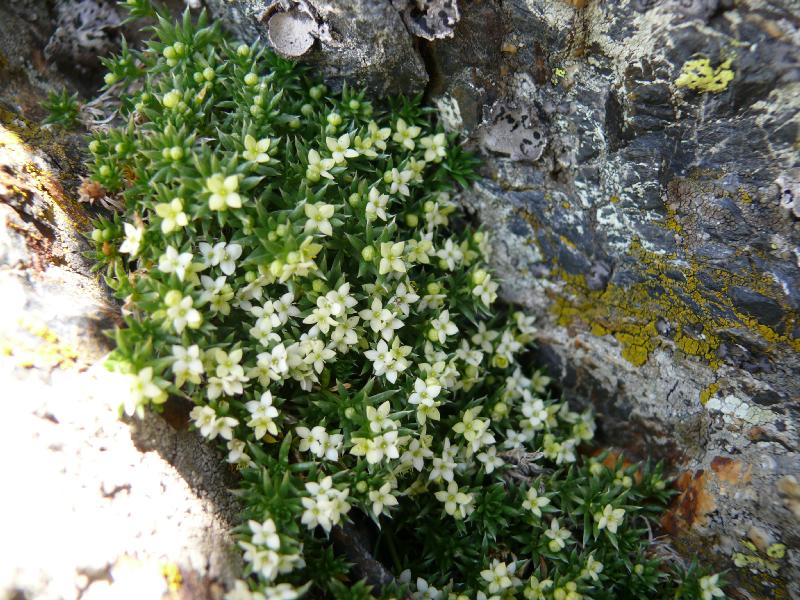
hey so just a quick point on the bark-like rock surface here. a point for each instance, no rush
(642, 185)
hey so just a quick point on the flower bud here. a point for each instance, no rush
(368, 253)
(251, 79)
(94, 146)
(176, 153)
(433, 335)
(110, 79)
(306, 110)
(479, 276)
(318, 286)
(243, 50)
(433, 288)
(335, 119)
(354, 199)
(171, 99)
(412, 220)
(362, 487)
(209, 74)
(97, 235)
(354, 104)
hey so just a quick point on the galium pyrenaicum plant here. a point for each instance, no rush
(292, 262)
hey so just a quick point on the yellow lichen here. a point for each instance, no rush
(700, 76)
(709, 392)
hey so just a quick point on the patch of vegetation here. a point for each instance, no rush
(292, 262)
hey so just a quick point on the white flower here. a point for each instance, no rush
(593, 569)
(317, 354)
(499, 576)
(256, 151)
(451, 254)
(403, 297)
(340, 149)
(317, 218)
(398, 181)
(490, 459)
(320, 317)
(344, 336)
(224, 192)
(558, 536)
(610, 518)
(318, 166)
(381, 319)
(133, 239)
(262, 416)
(217, 293)
(426, 591)
(376, 205)
(142, 389)
(379, 418)
(442, 326)
(187, 365)
(385, 445)
(173, 262)
(326, 505)
(424, 392)
(222, 254)
(420, 251)
(264, 562)
(484, 337)
(435, 147)
(319, 442)
(416, 454)
(404, 134)
(536, 590)
(237, 455)
(265, 534)
(341, 300)
(211, 426)
(382, 498)
(378, 135)
(180, 311)
(392, 258)
(534, 502)
(172, 215)
(486, 290)
(456, 502)
(709, 588)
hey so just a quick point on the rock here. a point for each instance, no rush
(348, 47)
(97, 507)
(652, 227)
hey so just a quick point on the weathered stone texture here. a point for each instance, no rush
(649, 220)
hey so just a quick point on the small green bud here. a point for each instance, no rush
(176, 153)
(250, 276)
(362, 487)
(294, 123)
(94, 146)
(105, 171)
(272, 236)
(251, 79)
(307, 110)
(318, 286)
(97, 235)
(119, 148)
(412, 220)
(107, 235)
(110, 79)
(182, 106)
(428, 206)
(442, 264)
(197, 76)
(433, 335)
(169, 52)
(479, 276)
(171, 99)
(180, 48)
(500, 410)
(209, 74)
(165, 153)
(275, 267)
(349, 412)
(638, 569)
(243, 50)
(255, 110)
(172, 297)
(354, 104)
(478, 237)
(316, 92)
(354, 199)
(368, 253)
(335, 119)
(281, 230)
(433, 288)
